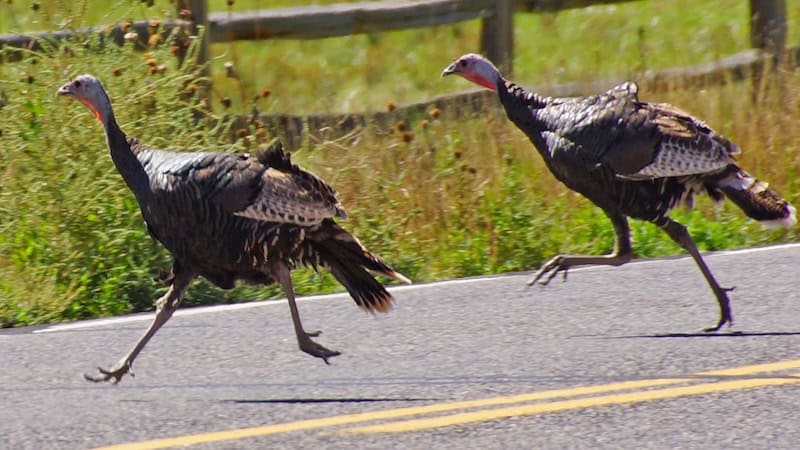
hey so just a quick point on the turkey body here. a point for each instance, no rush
(191, 206)
(235, 217)
(606, 147)
(632, 159)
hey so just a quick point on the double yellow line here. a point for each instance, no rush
(744, 380)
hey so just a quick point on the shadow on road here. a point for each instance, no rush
(707, 335)
(330, 400)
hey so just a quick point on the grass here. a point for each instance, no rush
(460, 198)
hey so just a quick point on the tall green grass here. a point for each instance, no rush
(445, 199)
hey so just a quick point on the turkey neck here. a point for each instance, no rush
(519, 103)
(125, 160)
(521, 107)
(510, 91)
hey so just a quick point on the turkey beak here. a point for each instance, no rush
(65, 89)
(449, 70)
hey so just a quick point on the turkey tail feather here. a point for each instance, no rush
(755, 198)
(348, 260)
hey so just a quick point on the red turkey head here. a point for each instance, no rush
(474, 68)
(88, 90)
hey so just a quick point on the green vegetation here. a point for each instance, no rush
(459, 198)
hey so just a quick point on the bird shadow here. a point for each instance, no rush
(700, 334)
(291, 401)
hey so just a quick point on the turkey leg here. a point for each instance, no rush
(562, 263)
(680, 235)
(165, 306)
(303, 337)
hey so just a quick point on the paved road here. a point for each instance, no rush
(610, 359)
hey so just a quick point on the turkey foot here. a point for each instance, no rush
(725, 310)
(553, 266)
(313, 348)
(113, 375)
(681, 236)
(303, 336)
(562, 263)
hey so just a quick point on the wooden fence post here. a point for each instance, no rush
(768, 26)
(497, 35)
(199, 17)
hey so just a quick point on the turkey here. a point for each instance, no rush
(632, 159)
(229, 217)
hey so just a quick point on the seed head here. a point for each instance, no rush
(230, 72)
(154, 40)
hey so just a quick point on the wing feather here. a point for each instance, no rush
(290, 194)
(267, 187)
(686, 145)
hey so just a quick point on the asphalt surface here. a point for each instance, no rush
(238, 370)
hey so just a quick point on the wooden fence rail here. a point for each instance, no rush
(115, 34)
(298, 130)
(768, 20)
(316, 22)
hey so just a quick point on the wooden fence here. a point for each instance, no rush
(768, 22)
(296, 130)
(768, 30)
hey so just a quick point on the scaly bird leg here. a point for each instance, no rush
(562, 263)
(303, 337)
(681, 236)
(165, 306)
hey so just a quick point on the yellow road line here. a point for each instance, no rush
(539, 408)
(388, 414)
(753, 369)
(441, 407)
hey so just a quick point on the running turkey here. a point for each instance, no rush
(229, 217)
(632, 159)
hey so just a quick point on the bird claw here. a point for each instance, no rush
(726, 315)
(315, 349)
(551, 268)
(113, 375)
(722, 321)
